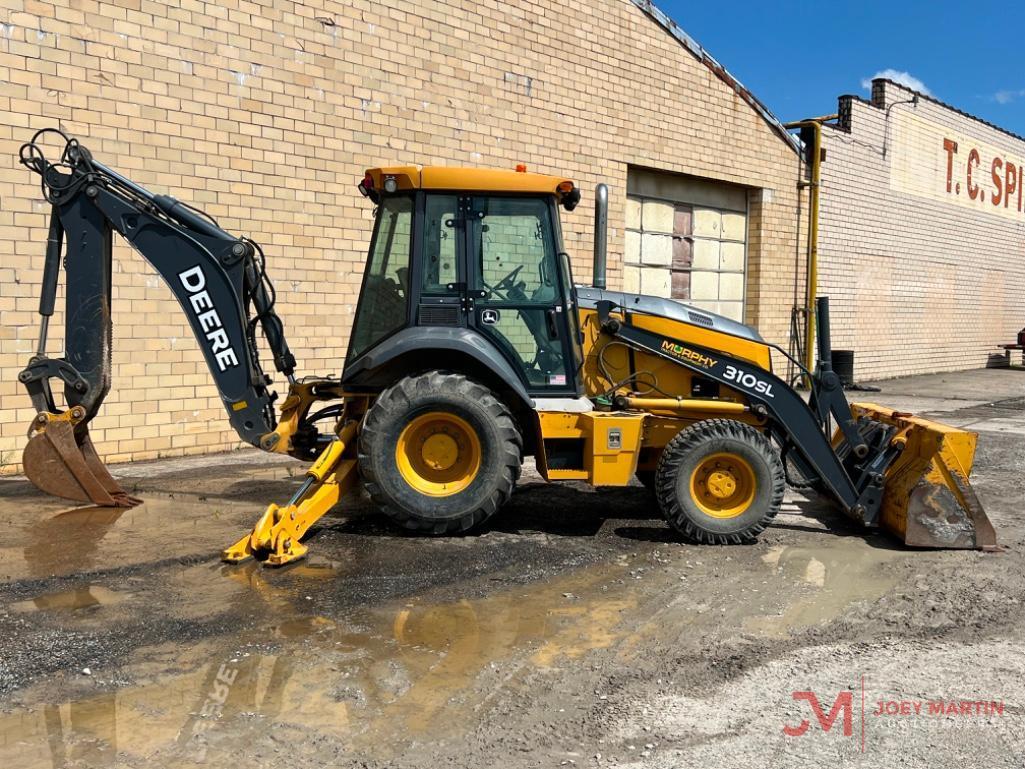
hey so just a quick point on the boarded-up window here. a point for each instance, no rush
(686, 239)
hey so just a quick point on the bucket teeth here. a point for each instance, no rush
(60, 462)
(102, 474)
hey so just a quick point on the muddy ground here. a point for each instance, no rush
(575, 631)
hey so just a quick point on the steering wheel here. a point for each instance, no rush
(505, 284)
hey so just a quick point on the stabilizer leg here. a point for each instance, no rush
(276, 536)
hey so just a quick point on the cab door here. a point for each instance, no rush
(515, 285)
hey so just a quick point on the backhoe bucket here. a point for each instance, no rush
(64, 463)
(927, 499)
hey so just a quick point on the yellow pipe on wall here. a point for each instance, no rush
(813, 233)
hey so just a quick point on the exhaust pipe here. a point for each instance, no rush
(601, 234)
(825, 343)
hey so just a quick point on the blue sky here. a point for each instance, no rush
(798, 57)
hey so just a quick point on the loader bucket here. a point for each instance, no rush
(62, 461)
(927, 499)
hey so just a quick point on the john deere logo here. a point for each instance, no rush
(684, 353)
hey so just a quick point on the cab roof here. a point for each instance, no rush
(469, 180)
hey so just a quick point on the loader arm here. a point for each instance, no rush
(885, 468)
(220, 282)
(801, 426)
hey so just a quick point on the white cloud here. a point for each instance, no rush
(905, 79)
(1007, 96)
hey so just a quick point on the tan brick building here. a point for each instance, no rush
(922, 241)
(266, 114)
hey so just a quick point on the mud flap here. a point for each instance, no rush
(60, 461)
(927, 498)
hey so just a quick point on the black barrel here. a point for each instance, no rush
(843, 365)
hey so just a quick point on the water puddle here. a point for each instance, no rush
(826, 579)
(376, 679)
(82, 539)
(78, 598)
(303, 627)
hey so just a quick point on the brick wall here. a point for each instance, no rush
(266, 114)
(921, 277)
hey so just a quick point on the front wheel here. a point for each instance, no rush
(720, 482)
(439, 453)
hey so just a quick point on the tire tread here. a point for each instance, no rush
(689, 440)
(395, 401)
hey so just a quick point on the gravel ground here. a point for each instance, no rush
(575, 631)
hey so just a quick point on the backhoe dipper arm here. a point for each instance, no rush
(218, 278)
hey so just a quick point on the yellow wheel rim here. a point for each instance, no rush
(723, 485)
(438, 454)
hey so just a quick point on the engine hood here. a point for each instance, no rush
(588, 298)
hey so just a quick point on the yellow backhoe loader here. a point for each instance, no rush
(472, 348)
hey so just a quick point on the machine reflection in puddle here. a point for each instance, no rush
(68, 541)
(74, 540)
(376, 679)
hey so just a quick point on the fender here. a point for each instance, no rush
(369, 369)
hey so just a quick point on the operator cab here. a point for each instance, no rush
(473, 258)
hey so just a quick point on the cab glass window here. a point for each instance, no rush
(517, 255)
(382, 307)
(440, 235)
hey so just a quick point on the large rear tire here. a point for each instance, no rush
(439, 453)
(720, 482)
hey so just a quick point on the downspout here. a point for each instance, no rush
(814, 157)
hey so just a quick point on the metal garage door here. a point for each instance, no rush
(686, 238)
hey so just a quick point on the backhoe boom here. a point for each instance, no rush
(218, 278)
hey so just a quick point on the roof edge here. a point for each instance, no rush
(663, 20)
(951, 107)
